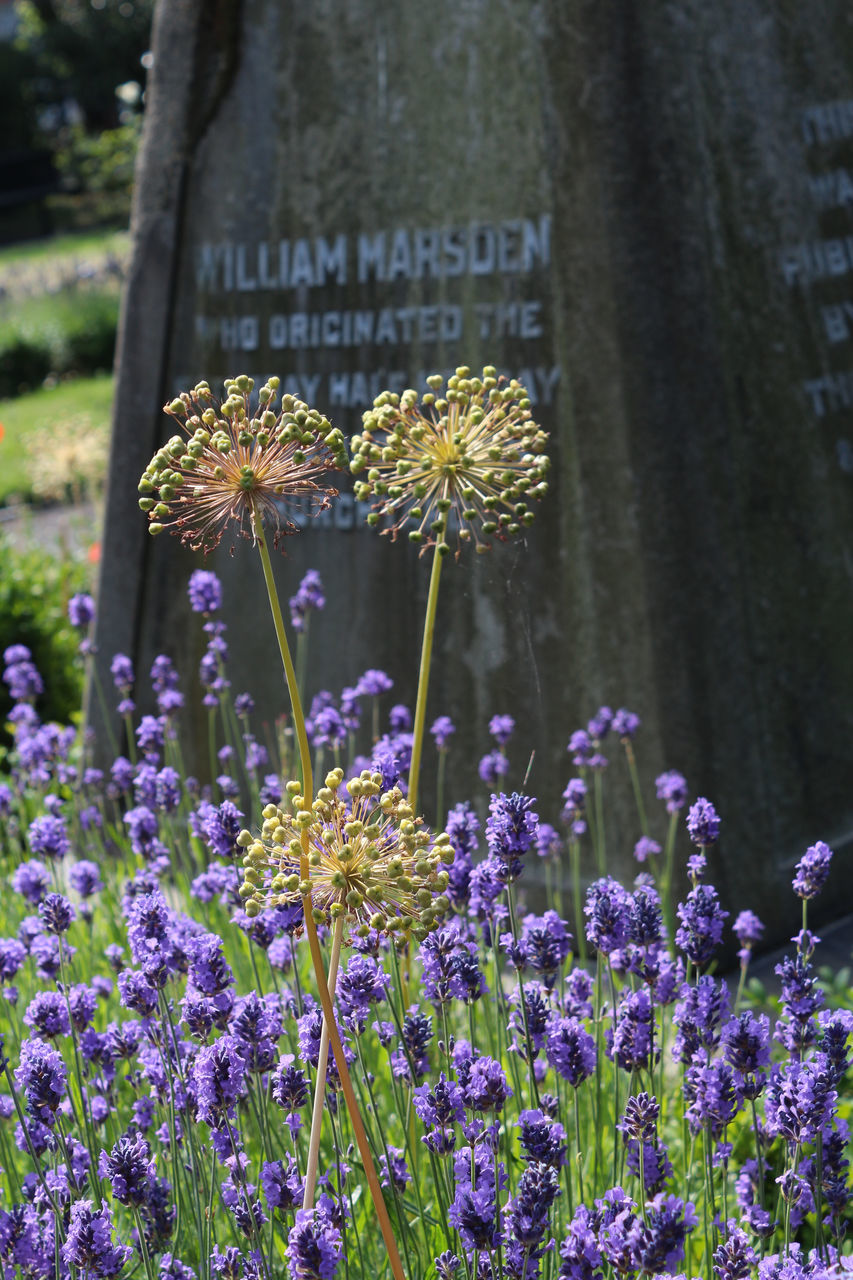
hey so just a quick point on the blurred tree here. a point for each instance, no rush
(81, 51)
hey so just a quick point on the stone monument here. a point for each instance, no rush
(643, 211)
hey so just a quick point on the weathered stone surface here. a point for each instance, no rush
(649, 208)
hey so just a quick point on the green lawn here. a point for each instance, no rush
(80, 406)
(83, 244)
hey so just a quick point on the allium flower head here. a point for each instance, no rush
(472, 450)
(236, 461)
(370, 860)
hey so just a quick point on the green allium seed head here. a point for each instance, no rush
(238, 461)
(452, 461)
(370, 860)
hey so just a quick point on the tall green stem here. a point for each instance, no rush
(310, 924)
(322, 1062)
(423, 679)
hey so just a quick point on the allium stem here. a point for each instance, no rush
(423, 678)
(310, 925)
(322, 1063)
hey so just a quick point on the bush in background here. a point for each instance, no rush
(34, 592)
(72, 332)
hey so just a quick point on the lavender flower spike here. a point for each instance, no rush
(812, 871)
(703, 823)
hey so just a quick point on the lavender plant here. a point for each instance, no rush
(531, 1108)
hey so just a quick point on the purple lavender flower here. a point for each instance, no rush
(47, 837)
(672, 788)
(85, 878)
(136, 992)
(219, 827)
(31, 880)
(542, 1139)
(640, 1117)
(836, 1025)
(580, 748)
(463, 827)
(492, 767)
(599, 725)
(748, 929)
(42, 1078)
(800, 1099)
(282, 1185)
(327, 728)
(703, 824)
(446, 1265)
(47, 1015)
(209, 971)
(735, 1257)
(574, 809)
(57, 913)
(548, 843)
(543, 946)
(699, 1016)
(373, 683)
(656, 1164)
(625, 724)
(474, 1211)
(710, 1092)
(570, 1049)
(171, 1268)
(204, 591)
(746, 1045)
(399, 718)
(527, 1211)
(12, 955)
(219, 1076)
(150, 736)
(659, 1242)
(128, 1168)
(167, 793)
(289, 1090)
(82, 1003)
(121, 669)
(510, 831)
(812, 871)
(442, 730)
(88, 1242)
(81, 611)
(362, 984)
(314, 1246)
(308, 596)
(393, 1170)
(608, 915)
(417, 1036)
(501, 728)
(22, 678)
(631, 1041)
(450, 966)
(486, 1088)
(701, 924)
(801, 999)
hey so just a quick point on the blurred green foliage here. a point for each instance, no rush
(34, 592)
(81, 50)
(97, 175)
(72, 332)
